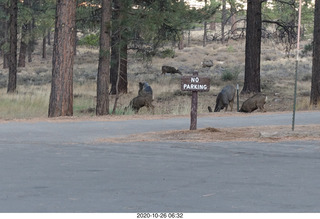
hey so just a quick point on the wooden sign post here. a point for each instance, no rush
(194, 84)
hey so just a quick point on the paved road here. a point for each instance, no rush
(56, 167)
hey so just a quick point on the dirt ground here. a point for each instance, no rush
(211, 134)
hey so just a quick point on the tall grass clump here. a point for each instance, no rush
(84, 101)
(303, 103)
(28, 102)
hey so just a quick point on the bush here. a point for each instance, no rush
(230, 74)
(90, 40)
(167, 53)
(307, 49)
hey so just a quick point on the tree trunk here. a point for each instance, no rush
(253, 48)
(61, 97)
(23, 47)
(204, 41)
(102, 107)
(233, 23)
(315, 83)
(31, 42)
(117, 85)
(114, 62)
(118, 40)
(49, 38)
(181, 38)
(6, 60)
(123, 77)
(6, 52)
(44, 47)
(181, 41)
(12, 82)
(30, 50)
(23, 44)
(76, 40)
(223, 20)
(212, 25)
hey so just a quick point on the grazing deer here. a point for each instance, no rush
(257, 101)
(224, 98)
(169, 69)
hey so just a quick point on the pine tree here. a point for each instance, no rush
(104, 60)
(315, 84)
(12, 82)
(61, 96)
(147, 27)
(253, 48)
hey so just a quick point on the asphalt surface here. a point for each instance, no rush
(61, 167)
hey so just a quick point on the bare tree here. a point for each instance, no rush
(315, 84)
(253, 47)
(102, 107)
(12, 82)
(61, 97)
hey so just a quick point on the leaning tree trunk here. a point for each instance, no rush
(253, 48)
(102, 107)
(123, 77)
(119, 41)
(12, 82)
(315, 83)
(116, 58)
(61, 97)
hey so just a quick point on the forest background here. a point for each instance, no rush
(143, 36)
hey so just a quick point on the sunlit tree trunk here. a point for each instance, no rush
(61, 97)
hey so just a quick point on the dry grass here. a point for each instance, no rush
(210, 134)
(277, 80)
(28, 103)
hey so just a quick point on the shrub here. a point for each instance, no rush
(307, 77)
(230, 74)
(167, 53)
(307, 49)
(90, 40)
